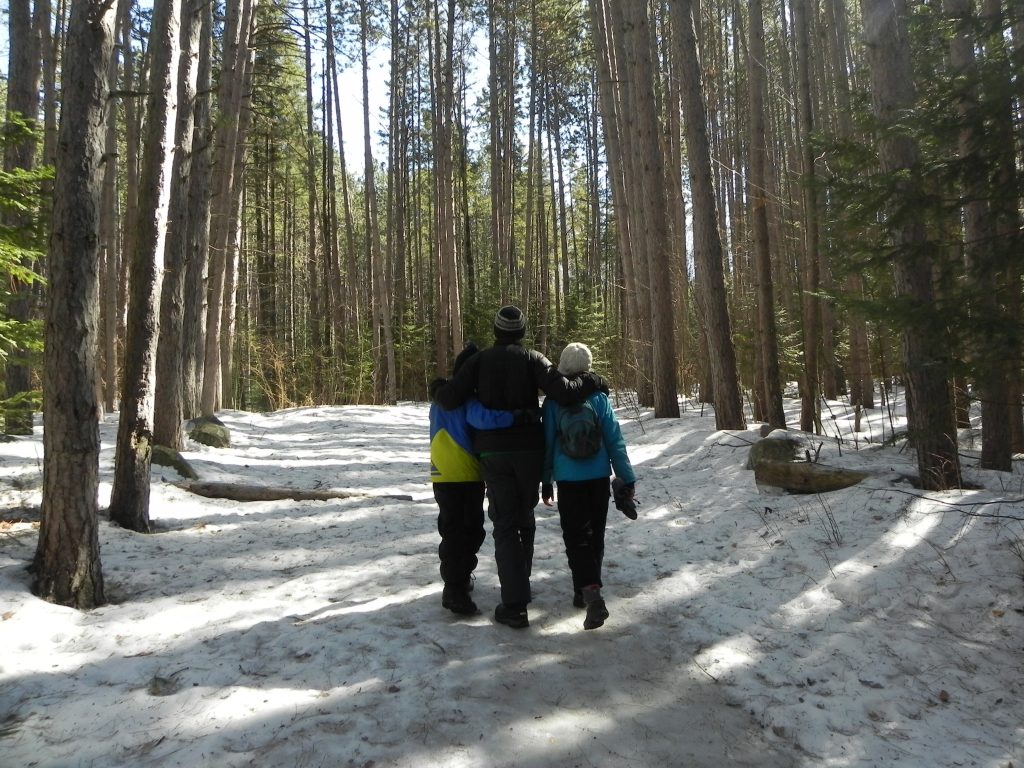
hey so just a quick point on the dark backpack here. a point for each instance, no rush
(579, 431)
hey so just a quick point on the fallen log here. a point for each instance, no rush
(243, 492)
(804, 477)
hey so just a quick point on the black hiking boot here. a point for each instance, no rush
(597, 611)
(457, 600)
(577, 600)
(512, 616)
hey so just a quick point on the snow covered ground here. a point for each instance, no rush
(875, 626)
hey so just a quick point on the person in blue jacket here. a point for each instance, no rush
(583, 486)
(459, 488)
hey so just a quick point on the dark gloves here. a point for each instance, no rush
(547, 493)
(435, 385)
(623, 494)
(526, 416)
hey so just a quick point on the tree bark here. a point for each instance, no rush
(315, 327)
(1007, 212)
(610, 108)
(931, 423)
(242, 492)
(134, 71)
(449, 308)
(24, 73)
(67, 561)
(169, 403)
(859, 361)
(384, 369)
(193, 326)
(233, 243)
(654, 210)
(618, 119)
(810, 408)
(708, 256)
(769, 379)
(129, 500)
(230, 98)
(111, 254)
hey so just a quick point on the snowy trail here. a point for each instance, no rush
(311, 634)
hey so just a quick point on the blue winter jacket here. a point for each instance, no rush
(611, 454)
(451, 439)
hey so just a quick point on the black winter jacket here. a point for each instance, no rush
(508, 377)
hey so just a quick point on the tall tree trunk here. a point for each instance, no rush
(611, 109)
(1007, 213)
(198, 248)
(810, 409)
(129, 500)
(109, 220)
(530, 220)
(132, 76)
(931, 423)
(859, 362)
(50, 45)
(353, 296)
(233, 244)
(169, 404)
(677, 205)
(654, 210)
(449, 309)
(67, 560)
(22, 100)
(502, 62)
(384, 369)
(230, 99)
(988, 349)
(316, 331)
(401, 110)
(769, 379)
(708, 255)
(339, 295)
(634, 265)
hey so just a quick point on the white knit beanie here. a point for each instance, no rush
(576, 358)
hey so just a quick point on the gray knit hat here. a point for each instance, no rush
(510, 321)
(576, 358)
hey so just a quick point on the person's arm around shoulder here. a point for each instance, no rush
(460, 387)
(479, 416)
(566, 391)
(614, 442)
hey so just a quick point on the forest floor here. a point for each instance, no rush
(879, 625)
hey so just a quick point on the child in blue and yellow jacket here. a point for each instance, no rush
(459, 488)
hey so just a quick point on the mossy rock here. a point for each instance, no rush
(168, 457)
(803, 477)
(778, 446)
(779, 460)
(209, 430)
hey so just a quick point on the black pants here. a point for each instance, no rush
(583, 513)
(460, 521)
(513, 480)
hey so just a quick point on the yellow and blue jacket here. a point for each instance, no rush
(451, 439)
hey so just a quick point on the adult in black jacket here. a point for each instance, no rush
(508, 376)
